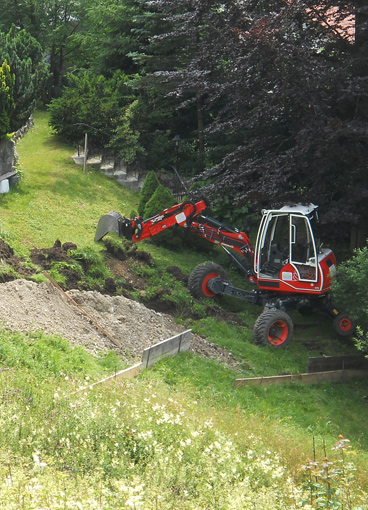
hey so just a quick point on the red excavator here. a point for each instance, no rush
(288, 266)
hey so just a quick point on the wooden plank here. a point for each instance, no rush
(7, 175)
(323, 364)
(84, 312)
(169, 347)
(312, 378)
(127, 373)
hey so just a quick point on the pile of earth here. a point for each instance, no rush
(46, 257)
(122, 323)
(121, 263)
(8, 260)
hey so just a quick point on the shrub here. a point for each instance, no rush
(29, 73)
(125, 139)
(7, 104)
(150, 184)
(162, 199)
(352, 281)
(98, 106)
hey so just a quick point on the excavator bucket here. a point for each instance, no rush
(113, 222)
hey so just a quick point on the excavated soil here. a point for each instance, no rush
(97, 319)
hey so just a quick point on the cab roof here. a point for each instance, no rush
(304, 209)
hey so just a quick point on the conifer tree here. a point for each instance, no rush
(149, 187)
(6, 98)
(26, 59)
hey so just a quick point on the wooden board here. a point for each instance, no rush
(7, 175)
(323, 364)
(312, 378)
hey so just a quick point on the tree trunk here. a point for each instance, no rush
(361, 23)
(200, 124)
(360, 66)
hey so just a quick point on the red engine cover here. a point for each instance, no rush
(302, 278)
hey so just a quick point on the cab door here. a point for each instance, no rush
(272, 247)
(303, 253)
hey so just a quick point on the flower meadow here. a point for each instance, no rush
(140, 444)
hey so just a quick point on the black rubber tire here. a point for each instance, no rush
(273, 328)
(198, 278)
(344, 325)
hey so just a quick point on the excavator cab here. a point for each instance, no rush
(287, 258)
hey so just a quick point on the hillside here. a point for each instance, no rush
(47, 225)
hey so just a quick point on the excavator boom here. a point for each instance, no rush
(187, 215)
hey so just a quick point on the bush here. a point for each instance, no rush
(350, 289)
(7, 104)
(162, 199)
(98, 106)
(150, 184)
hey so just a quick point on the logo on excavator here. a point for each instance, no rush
(157, 219)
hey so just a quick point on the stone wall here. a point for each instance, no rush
(8, 151)
(8, 156)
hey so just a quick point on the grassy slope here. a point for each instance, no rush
(56, 201)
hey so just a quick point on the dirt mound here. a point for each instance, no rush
(44, 257)
(27, 306)
(10, 261)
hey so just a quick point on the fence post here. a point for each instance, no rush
(85, 152)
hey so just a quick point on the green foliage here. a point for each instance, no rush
(171, 291)
(26, 59)
(224, 210)
(7, 273)
(86, 264)
(330, 483)
(98, 106)
(50, 356)
(161, 199)
(7, 105)
(150, 184)
(92, 261)
(350, 288)
(113, 29)
(125, 139)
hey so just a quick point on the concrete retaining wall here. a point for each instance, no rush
(169, 347)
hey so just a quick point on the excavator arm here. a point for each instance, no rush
(187, 215)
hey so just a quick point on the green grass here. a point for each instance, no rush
(44, 356)
(55, 200)
(165, 440)
(168, 439)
